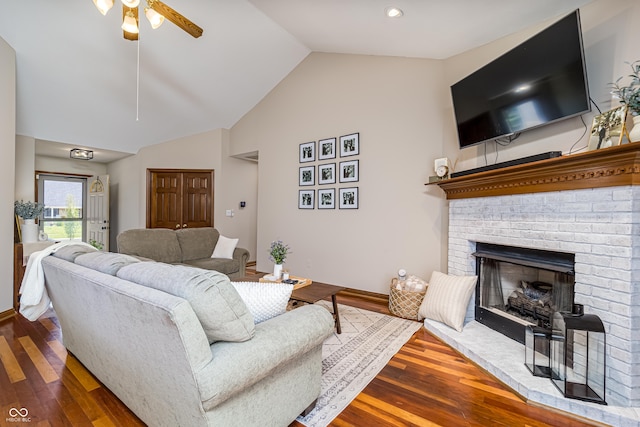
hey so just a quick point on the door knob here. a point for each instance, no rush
(177, 225)
(184, 225)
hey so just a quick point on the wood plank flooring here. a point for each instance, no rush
(425, 384)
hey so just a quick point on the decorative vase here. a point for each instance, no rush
(634, 135)
(277, 271)
(29, 231)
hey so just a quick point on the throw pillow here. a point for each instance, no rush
(224, 248)
(447, 299)
(105, 262)
(221, 311)
(264, 300)
(71, 252)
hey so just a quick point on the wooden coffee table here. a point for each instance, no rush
(319, 291)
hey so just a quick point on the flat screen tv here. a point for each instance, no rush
(541, 81)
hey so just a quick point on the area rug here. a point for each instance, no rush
(352, 359)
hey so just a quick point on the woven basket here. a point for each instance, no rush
(404, 303)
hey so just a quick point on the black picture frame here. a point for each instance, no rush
(327, 173)
(327, 149)
(306, 199)
(350, 145)
(327, 198)
(349, 171)
(348, 198)
(308, 152)
(307, 176)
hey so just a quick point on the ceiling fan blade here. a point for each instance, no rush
(176, 18)
(127, 35)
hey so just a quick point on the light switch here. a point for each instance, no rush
(229, 212)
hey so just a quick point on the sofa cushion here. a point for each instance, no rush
(224, 248)
(221, 265)
(105, 262)
(71, 252)
(264, 300)
(221, 311)
(197, 243)
(159, 244)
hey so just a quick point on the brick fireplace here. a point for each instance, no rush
(586, 204)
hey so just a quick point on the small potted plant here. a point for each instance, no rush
(278, 254)
(28, 211)
(629, 95)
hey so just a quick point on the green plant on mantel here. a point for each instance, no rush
(629, 94)
(28, 210)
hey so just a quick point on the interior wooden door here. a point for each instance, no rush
(179, 198)
(197, 199)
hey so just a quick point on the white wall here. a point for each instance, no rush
(610, 34)
(238, 180)
(7, 170)
(126, 188)
(69, 166)
(396, 106)
(25, 167)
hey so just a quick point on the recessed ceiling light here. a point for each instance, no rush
(393, 12)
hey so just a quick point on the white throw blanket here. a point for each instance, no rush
(34, 299)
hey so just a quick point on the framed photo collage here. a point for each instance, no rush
(319, 165)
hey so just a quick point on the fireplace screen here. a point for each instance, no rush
(518, 287)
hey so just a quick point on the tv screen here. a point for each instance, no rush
(541, 81)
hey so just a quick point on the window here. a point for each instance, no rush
(64, 216)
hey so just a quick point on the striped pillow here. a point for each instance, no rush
(447, 299)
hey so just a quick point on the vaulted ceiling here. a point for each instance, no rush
(79, 83)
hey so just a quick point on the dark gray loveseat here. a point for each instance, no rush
(190, 246)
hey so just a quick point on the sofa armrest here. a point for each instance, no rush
(237, 365)
(242, 256)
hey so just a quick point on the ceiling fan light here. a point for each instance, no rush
(129, 24)
(155, 19)
(131, 3)
(103, 5)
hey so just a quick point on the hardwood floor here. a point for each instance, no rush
(425, 384)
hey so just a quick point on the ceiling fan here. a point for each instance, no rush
(155, 11)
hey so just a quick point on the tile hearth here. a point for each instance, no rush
(504, 358)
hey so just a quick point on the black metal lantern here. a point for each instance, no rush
(536, 351)
(578, 344)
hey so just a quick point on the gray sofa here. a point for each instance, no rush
(191, 246)
(151, 348)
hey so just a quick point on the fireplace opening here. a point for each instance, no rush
(518, 287)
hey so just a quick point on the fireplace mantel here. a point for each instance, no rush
(608, 167)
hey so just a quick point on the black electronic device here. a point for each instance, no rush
(514, 162)
(541, 81)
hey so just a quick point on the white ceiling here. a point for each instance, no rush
(76, 75)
